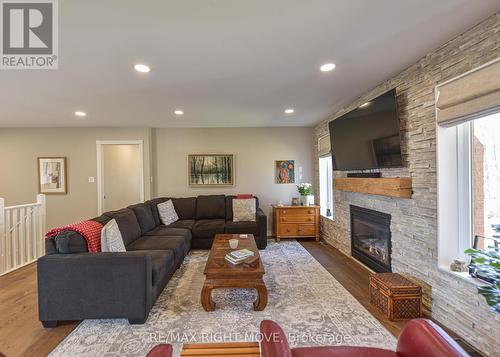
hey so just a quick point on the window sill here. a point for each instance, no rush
(462, 276)
(326, 217)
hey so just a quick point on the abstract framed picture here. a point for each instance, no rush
(205, 170)
(52, 175)
(285, 171)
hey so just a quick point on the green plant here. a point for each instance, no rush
(305, 189)
(487, 264)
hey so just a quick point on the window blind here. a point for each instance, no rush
(324, 146)
(466, 97)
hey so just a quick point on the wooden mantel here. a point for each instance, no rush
(400, 187)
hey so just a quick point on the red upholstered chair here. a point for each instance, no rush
(419, 338)
(163, 350)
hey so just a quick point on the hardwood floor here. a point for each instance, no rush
(21, 334)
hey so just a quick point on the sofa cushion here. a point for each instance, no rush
(163, 264)
(185, 223)
(210, 207)
(144, 216)
(242, 228)
(169, 231)
(208, 228)
(178, 244)
(229, 206)
(185, 207)
(154, 208)
(127, 222)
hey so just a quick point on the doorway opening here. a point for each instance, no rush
(120, 174)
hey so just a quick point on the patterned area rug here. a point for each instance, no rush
(311, 306)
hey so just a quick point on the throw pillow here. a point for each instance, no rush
(167, 213)
(111, 238)
(244, 210)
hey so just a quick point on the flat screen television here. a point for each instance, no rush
(367, 137)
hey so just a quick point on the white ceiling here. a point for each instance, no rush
(226, 63)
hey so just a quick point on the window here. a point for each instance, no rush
(468, 184)
(468, 160)
(326, 186)
(486, 176)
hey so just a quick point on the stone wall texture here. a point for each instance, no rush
(451, 300)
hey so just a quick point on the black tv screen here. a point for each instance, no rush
(367, 137)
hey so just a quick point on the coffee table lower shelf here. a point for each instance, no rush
(210, 284)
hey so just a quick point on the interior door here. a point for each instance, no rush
(121, 175)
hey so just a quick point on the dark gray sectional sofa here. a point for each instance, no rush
(74, 284)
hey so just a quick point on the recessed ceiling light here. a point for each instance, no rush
(142, 68)
(178, 112)
(289, 111)
(327, 67)
(79, 113)
(365, 104)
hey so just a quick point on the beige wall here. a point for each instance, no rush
(255, 151)
(19, 149)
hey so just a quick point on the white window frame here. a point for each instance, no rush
(454, 174)
(326, 185)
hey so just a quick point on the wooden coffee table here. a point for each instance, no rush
(219, 273)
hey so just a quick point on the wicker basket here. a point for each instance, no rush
(395, 296)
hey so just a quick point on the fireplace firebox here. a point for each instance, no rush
(371, 238)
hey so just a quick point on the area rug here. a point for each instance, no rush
(311, 306)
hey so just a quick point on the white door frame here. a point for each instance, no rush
(100, 171)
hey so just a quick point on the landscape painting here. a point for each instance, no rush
(285, 171)
(211, 170)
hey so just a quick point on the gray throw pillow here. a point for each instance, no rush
(111, 238)
(167, 213)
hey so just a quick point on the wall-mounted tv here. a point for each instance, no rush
(367, 137)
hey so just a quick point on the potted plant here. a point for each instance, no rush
(306, 194)
(487, 265)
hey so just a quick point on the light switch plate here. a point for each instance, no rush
(91, 179)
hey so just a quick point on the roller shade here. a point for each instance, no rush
(462, 98)
(324, 146)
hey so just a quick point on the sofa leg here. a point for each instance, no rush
(49, 324)
(137, 321)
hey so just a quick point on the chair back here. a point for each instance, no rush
(422, 337)
(274, 342)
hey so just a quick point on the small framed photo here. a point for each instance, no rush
(52, 175)
(295, 201)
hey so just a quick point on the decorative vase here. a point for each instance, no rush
(307, 200)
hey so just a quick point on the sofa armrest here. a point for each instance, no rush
(94, 285)
(261, 218)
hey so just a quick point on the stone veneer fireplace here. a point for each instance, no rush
(371, 238)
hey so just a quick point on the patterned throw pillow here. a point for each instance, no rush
(244, 210)
(111, 238)
(167, 212)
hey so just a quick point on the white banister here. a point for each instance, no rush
(22, 230)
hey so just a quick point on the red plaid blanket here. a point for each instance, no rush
(90, 230)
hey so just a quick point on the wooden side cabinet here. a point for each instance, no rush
(295, 222)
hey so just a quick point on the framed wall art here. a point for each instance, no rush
(52, 175)
(206, 170)
(285, 171)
